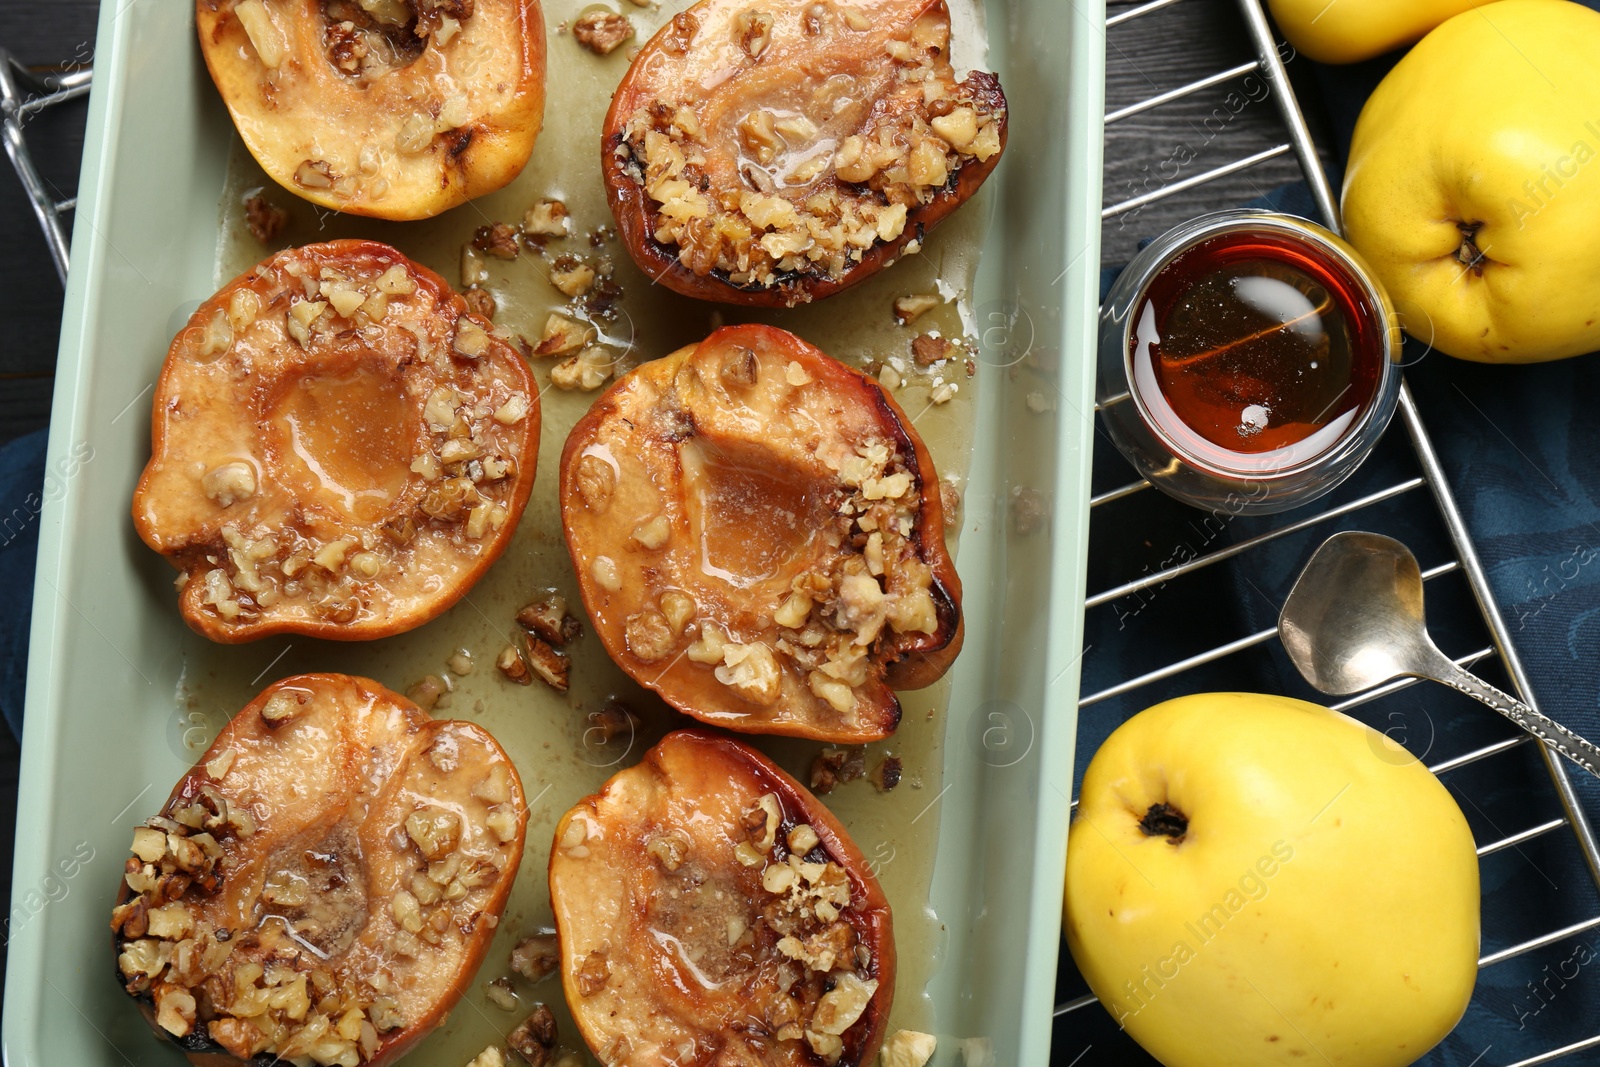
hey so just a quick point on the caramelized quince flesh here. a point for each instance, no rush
(322, 886)
(770, 154)
(712, 912)
(339, 448)
(397, 109)
(758, 536)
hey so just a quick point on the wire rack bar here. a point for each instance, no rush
(1219, 78)
(1101, 405)
(1477, 754)
(1145, 199)
(1137, 12)
(1118, 493)
(1466, 662)
(1489, 960)
(1517, 839)
(1216, 653)
(1554, 937)
(1559, 1054)
(1161, 577)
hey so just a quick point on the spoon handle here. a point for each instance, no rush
(1540, 725)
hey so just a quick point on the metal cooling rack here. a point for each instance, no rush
(24, 93)
(1269, 65)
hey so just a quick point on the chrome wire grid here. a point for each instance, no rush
(1298, 141)
(25, 93)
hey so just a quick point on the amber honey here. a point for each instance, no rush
(1255, 350)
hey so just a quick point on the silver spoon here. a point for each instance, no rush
(1354, 621)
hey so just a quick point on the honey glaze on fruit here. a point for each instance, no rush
(1250, 350)
(712, 912)
(759, 538)
(322, 885)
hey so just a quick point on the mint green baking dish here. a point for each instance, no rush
(108, 727)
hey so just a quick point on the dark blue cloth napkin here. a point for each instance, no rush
(21, 498)
(1521, 446)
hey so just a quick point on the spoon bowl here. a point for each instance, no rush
(1354, 617)
(1354, 621)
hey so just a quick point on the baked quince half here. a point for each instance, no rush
(339, 448)
(398, 109)
(712, 912)
(758, 537)
(322, 886)
(770, 153)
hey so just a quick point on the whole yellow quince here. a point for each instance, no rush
(1256, 880)
(1473, 190)
(1347, 31)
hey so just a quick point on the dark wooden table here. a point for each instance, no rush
(1196, 38)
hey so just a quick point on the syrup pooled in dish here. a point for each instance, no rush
(397, 109)
(758, 536)
(339, 448)
(772, 153)
(322, 886)
(712, 912)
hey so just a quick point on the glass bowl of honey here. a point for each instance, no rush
(1248, 361)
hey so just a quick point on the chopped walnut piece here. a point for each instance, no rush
(473, 270)
(837, 766)
(315, 174)
(886, 775)
(572, 276)
(502, 994)
(586, 371)
(510, 664)
(264, 219)
(680, 33)
(283, 707)
(435, 831)
(594, 972)
(755, 31)
(950, 501)
(928, 349)
(670, 849)
(549, 620)
(536, 957)
(602, 32)
(908, 1048)
(489, 1057)
(546, 219)
(552, 667)
(841, 1006)
(535, 1037)
(908, 309)
(480, 302)
(428, 691)
(498, 240)
(563, 336)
